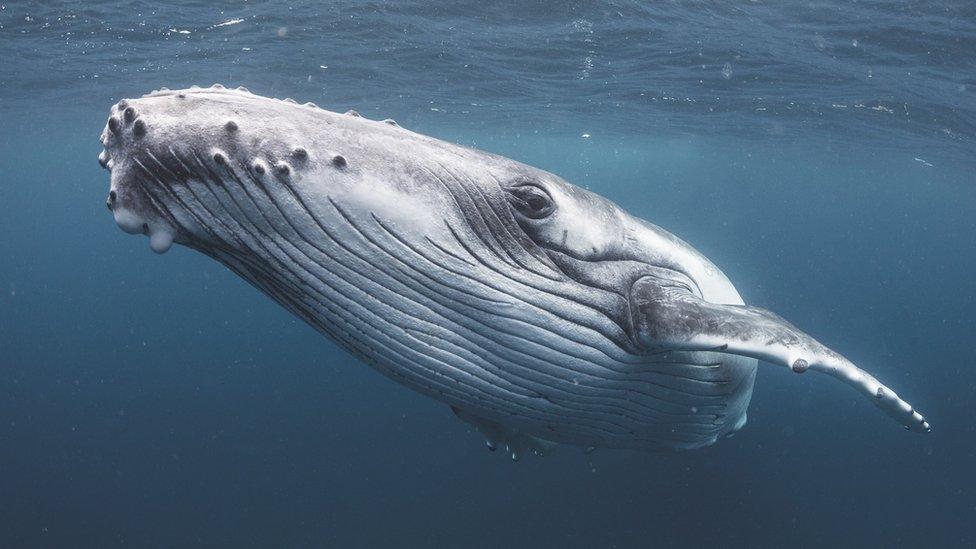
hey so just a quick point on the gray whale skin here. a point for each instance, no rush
(540, 312)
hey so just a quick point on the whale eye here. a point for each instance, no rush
(531, 200)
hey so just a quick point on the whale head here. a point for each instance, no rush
(226, 171)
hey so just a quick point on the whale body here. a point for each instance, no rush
(540, 312)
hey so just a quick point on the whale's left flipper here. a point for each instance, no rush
(671, 318)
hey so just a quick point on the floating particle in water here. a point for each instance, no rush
(819, 42)
(917, 159)
(282, 32)
(727, 71)
(854, 42)
(585, 136)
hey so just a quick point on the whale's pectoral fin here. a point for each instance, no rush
(515, 443)
(670, 318)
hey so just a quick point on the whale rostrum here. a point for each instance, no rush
(540, 312)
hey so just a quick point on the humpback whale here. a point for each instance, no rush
(540, 312)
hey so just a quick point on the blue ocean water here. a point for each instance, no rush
(821, 153)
